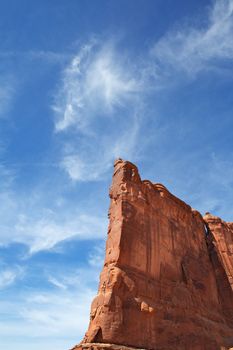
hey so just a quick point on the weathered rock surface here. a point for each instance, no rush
(222, 237)
(168, 273)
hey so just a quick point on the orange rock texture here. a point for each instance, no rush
(167, 278)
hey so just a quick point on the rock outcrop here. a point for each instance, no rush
(168, 273)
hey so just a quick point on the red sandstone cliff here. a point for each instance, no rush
(167, 276)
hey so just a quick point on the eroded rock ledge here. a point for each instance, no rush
(168, 273)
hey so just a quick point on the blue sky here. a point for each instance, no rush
(82, 83)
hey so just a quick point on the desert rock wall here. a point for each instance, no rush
(167, 275)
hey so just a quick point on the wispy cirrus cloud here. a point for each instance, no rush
(98, 106)
(47, 314)
(194, 49)
(45, 229)
(96, 76)
(103, 93)
(41, 224)
(9, 275)
(54, 281)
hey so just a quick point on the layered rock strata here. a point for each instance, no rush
(168, 273)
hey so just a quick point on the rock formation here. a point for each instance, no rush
(167, 278)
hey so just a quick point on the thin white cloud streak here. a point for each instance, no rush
(46, 233)
(61, 311)
(29, 219)
(79, 278)
(9, 276)
(98, 105)
(56, 283)
(53, 313)
(43, 231)
(47, 315)
(193, 50)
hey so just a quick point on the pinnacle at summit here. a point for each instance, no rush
(167, 279)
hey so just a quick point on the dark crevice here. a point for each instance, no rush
(223, 286)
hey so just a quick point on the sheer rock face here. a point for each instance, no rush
(167, 276)
(222, 236)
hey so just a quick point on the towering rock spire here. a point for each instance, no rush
(167, 275)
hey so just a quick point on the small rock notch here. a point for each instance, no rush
(166, 283)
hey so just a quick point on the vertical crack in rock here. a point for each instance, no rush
(168, 273)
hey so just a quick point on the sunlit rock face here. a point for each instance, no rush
(168, 273)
